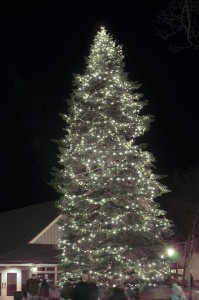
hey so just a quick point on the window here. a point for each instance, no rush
(50, 268)
(40, 269)
(11, 283)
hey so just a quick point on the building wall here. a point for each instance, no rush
(50, 235)
(194, 265)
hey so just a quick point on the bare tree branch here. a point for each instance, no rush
(179, 22)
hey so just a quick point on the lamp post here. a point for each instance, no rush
(172, 254)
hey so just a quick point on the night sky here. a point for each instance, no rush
(42, 46)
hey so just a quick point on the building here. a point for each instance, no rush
(178, 260)
(28, 242)
(28, 239)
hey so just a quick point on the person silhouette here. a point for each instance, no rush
(32, 287)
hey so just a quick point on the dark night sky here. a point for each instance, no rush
(43, 45)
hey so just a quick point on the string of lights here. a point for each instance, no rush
(110, 222)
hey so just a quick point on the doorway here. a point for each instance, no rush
(10, 281)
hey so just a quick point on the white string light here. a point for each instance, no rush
(110, 221)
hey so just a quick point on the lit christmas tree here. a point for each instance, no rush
(110, 222)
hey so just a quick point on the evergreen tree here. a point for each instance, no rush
(110, 222)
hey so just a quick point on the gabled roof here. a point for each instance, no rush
(32, 253)
(19, 226)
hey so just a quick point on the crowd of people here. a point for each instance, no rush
(37, 288)
(87, 289)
